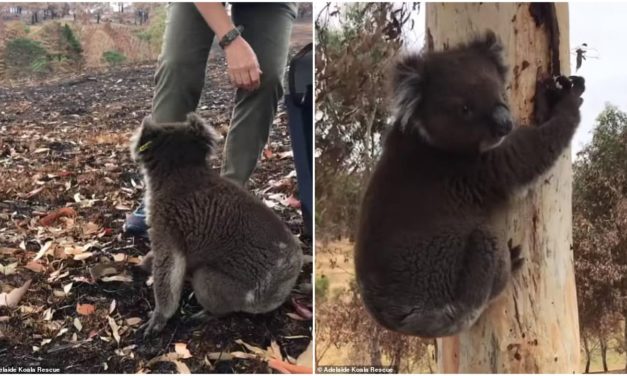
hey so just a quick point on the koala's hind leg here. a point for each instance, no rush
(218, 293)
(482, 266)
(221, 294)
(168, 269)
(473, 265)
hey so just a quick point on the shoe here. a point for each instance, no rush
(135, 224)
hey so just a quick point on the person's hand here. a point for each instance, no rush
(243, 67)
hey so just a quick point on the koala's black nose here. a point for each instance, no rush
(502, 122)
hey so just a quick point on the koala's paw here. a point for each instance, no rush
(568, 95)
(155, 325)
(515, 253)
(557, 96)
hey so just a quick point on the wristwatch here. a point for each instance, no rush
(229, 37)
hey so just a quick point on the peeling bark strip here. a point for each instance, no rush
(544, 14)
(534, 326)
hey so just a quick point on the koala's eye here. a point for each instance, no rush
(465, 110)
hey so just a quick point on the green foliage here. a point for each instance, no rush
(40, 65)
(24, 56)
(338, 196)
(322, 287)
(600, 225)
(154, 33)
(73, 45)
(113, 57)
(355, 44)
(26, 29)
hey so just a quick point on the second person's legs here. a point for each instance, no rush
(267, 28)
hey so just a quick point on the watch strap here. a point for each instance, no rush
(229, 37)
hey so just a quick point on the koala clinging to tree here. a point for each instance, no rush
(236, 252)
(427, 261)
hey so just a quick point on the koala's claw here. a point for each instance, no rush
(154, 326)
(564, 83)
(515, 253)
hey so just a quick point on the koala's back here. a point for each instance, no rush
(221, 225)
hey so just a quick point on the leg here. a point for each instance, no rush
(168, 269)
(218, 293)
(432, 287)
(267, 28)
(480, 271)
(182, 64)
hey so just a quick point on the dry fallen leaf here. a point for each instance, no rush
(301, 309)
(115, 329)
(133, 321)
(119, 257)
(181, 349)
(52, 217)
(35, 266)
(11, 299)
(77, 324)
(296, 316)
(306, 358)
(48, 314)
(293, 202)
(118, 278)
(67, 288)
(85, 309)
(100, 270)
(172, 358)
(285, 367)
(8, 269)
(43, 250)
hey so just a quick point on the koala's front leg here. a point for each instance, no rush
(530, 151)
(168, 270)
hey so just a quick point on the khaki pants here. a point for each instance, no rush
(180, 76)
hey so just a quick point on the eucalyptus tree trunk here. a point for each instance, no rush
(533, 327)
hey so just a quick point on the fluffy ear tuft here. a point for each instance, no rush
(490, 45)
(142, 137)
(203, 130)
(407, 79)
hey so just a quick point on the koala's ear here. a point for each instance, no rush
(143, 137)
(407, 79)
(490, 45)
(203, 130)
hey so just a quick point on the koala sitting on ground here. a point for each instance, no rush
(427, 261)
(236, 252)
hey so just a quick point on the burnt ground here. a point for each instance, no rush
(65, 144)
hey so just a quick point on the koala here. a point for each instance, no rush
(237, 254)
(427, 259)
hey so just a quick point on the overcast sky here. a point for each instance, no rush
(603, 26)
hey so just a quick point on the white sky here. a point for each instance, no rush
(602, 26)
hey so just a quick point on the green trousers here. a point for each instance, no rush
(180, 76)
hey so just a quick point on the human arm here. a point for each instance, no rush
(243, 67)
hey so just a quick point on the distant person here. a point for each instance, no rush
(256, 44)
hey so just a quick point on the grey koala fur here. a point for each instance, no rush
(427, 260)
(236, 252)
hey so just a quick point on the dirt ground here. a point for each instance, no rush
(64, 144)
